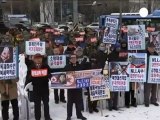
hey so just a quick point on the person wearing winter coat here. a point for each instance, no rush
(149, 88)
(9, 94)
(101, 55)
(92, 105)
(39, 74)
(61, 97)
(123, 57)
(74, 95)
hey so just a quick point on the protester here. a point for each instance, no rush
(39, 74)
(150, 89)
(92, 105)
(74, 95)
(9, 93)
(56, 51)
(101, 55)
(114, 57)
(123, 57)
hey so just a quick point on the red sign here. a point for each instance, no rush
(94, 39)
(79, 39)
(50, 30)
(39, 72)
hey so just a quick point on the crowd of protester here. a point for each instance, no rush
(81, 55)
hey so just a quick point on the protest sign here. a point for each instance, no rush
(98, 89)
(119, 76)
(57, 61)
(136, 37)
(8, 63)
(39, 72)
(138, 67)
(79, 39)
(60, 39)
(63, 80)
(33, 47)
(110, 32)
(73, 79)
(154, 70)
(155, 39)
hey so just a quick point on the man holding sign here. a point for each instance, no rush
(39, 74)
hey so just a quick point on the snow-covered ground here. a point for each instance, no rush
(58, 112)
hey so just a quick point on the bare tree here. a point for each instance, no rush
(47, 10)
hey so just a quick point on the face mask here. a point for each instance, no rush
(102, 48)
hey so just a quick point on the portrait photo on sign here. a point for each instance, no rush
(58, 78)
(6, 54)
(70, 79)
(119, 68)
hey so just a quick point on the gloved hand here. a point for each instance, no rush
(29, 87)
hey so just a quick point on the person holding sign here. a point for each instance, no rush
(56, 51)
(39, 74)
(150, 88)
(74, 95)
(8, 91)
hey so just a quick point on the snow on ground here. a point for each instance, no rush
(58, 112)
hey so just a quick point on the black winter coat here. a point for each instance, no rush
(40, 84)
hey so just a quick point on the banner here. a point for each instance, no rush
(136, 37)
(74, 79)
(57, 61)
(119, 76)
(98, 89)
(154, 70)
(8, 63)
(110, 32)
(138, 67)
(33, 47)
(155, 39)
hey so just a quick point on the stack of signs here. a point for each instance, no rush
(57, 61)
(119, 76)
(155, 39)
(110, 32)
(136, 37)
(138, 67)
(8, 63)
(33, 47)
(154, 70)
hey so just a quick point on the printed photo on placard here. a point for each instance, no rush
(6, 54)
(119, 76)
(110, 31)
(138, 67)
(8, 63)
(136, 37)
(155, 39)
(64, 80)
